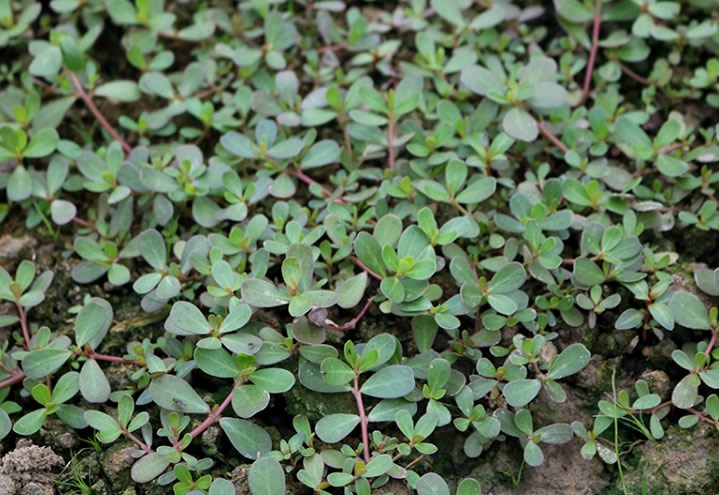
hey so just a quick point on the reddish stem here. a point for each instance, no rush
(353, 322)
(310, 181)
(137, 441)
(23, 325)
(592, 51)
(96, 113)
(359, 263)
(213, 417)
(552, 138)
(634, 75)
(15, 378)
(363, 417)
(668, 149)
(83, 223)
(113, 359)
(712, 342)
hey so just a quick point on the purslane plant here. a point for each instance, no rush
(416, 220)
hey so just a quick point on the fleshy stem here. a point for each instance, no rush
(96, 113)
(310, 181)
(23, 324)
(137, 441)
(359, 263)
(592, 51)
(104, 357)
(712, 342)
(353, 322)
(552, 138)
(634, 75)
(363, 417)
(213, 417)
(16, 377)
(83, 223)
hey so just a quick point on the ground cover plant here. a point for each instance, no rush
(359, 247)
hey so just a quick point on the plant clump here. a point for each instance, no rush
(344, 247)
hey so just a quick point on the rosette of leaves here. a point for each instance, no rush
(298, 289)
(616, 248)
(242, 240)
(458, 188)
(533, 88)
(622, 408)
(100, 258)
(596, 304)
(690, 312)
(635, 142)
(184, 176)
(15, 146)
(521, 391)
(521, 425)
(53, 403)
(185, 319)
(277, 154)
(104, 174)
(501, 292)
(26, 289)
(167, 278)
(656, 314)
(483, 425)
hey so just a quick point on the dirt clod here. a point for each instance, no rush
(29, 470)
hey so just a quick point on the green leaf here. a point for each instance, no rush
(351, 290)
(662, 314)
(520, 125)
(393, 289)
(369, 252)
(432, 484)
(320, 154)
(5, 424)
(334, 427)
(216, 362)
(572, 360)
(19, 186)
(152, 247)
(124, 91)
(93, 322)
(469, 486)
(390, 382)
(62, 212)
(509, 278)
(30, 423)
(481, 81)
(686, 392)
(249, 400)
(41, 363)
(689, 311)
(262, 294)
(250, 440)
(148, 468)
(175, 394)
(273, 380)
(521, 392)
(336, 372)
(533, 455)
(478, 191)
(266, 477)
(586, 273)
(94, 385)
(42, 143)
(186, 319)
